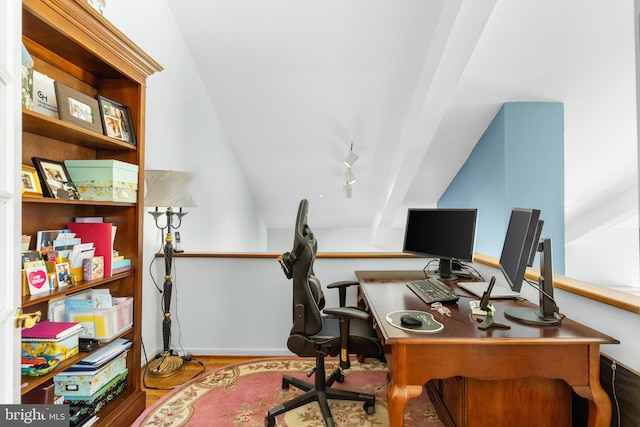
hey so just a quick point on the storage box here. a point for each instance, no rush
(62, 349)
(104, 323)
(87, 383)
(81, 405)
(110, 180)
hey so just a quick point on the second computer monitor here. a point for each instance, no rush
(519, 244)
(447, 234)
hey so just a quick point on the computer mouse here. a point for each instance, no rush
(410, 320)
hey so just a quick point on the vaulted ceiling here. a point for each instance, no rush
(411, 85)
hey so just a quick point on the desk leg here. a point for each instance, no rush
(398, 391)
(599, 402)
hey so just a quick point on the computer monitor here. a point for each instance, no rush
(447, 234)
(521, 243)
(518, 244)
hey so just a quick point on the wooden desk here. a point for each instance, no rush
(569, 352)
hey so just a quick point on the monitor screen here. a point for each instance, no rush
(446, 234)
(518, 244)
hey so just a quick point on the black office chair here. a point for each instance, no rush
(341, 331)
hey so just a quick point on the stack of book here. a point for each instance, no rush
(53, 341)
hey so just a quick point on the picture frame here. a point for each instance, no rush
(63, 274)
(55, 179)
(116, 120)
(77, 108)
(45, 239)
(30, 182)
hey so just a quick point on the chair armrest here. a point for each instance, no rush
(342, 284)
(344, 315)
(342, 289)
(347, 313)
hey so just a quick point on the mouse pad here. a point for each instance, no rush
(429, 324)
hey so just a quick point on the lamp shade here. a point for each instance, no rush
(166, 188)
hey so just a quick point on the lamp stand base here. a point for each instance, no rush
(165, 365)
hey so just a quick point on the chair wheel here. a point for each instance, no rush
(369, 408)
(269, 421)
(340, 378)
(285, 386)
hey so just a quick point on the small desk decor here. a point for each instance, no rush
(30, 182)
(116, 120)
(55, 179)
(77, 108)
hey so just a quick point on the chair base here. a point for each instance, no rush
(319, 392)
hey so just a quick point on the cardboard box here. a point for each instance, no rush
(87, 383)
(106, 180)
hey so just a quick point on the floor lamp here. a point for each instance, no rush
(169, 190)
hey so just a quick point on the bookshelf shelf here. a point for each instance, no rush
(39, 124)
(33, 300)
(31, 382)
(51, 201)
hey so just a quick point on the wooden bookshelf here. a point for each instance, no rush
(72, 43)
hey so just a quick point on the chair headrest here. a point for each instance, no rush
(303, 235)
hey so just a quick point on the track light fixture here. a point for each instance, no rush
(349, 177)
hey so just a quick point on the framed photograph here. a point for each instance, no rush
(30, 182)
(77, 108)
(116, 120)
(62, 271)
(55, 179)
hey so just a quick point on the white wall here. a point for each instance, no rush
(183, 133)
(337, 239)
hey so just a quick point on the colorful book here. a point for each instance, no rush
(51, 330)
(125, 262)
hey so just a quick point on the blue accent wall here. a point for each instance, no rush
(517, 163)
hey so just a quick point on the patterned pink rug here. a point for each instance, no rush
(241, 395)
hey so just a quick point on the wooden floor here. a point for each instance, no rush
(158, 387)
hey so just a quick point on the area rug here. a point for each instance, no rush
(241, 395)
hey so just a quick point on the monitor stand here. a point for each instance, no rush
(544, 314)
(530, 316)
(445, 270)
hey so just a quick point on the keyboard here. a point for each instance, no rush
(432, 290)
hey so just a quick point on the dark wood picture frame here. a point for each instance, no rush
(55, 179)
(30, 182)
(77, 108)
(116, 120)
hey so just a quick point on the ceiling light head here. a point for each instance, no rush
(349, 176)
(351, 159)
(347, 190)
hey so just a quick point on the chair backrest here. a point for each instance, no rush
(308, 298)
